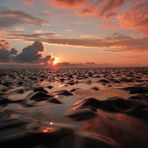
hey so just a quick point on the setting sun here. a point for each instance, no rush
(56, 61)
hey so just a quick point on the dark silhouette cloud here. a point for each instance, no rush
(32, 53)
(46, 59)
(13, 51)
(5, 53)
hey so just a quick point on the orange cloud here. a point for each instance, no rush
(70, 4)
(101, 8)
(90, 11)
(131, 18)
(135, 18)
(110, 7)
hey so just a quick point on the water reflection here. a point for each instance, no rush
(46, 124)
(47, 129)
(127, 131)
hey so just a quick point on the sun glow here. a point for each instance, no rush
(39, 52)
(56, 61)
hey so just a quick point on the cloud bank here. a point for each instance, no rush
(30, 54)
(114, 43)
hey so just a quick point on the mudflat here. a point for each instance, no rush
(74, 107)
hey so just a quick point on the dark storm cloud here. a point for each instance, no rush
(13, 51)
(32, 53)
(9, 18)
(46, 59)
(5, 53)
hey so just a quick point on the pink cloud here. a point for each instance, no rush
(28, 3)
(110, 7)
(132, 18)
(102, 8)
(135, 18)
(4, 45)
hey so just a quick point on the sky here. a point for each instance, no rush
(76, 31)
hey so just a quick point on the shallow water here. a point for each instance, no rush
(45, 107)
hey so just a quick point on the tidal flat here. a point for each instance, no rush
(74, 107)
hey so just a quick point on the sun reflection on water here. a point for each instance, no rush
(47, 130)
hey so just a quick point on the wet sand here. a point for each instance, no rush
(75, 107)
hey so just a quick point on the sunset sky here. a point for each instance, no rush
(78, 31)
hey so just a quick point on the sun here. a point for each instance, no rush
(53, 60)
(56, 61)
